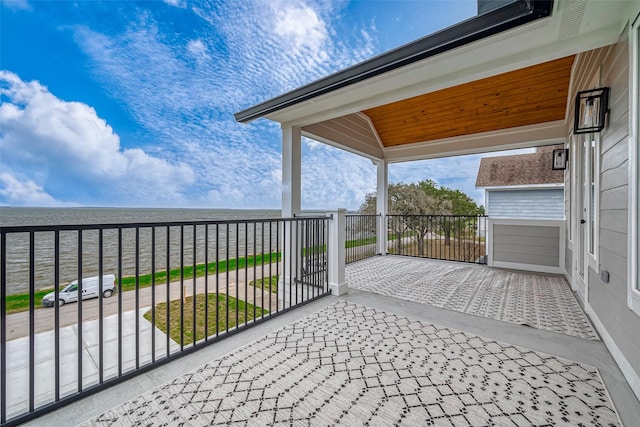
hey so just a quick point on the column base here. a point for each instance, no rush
(338, 289)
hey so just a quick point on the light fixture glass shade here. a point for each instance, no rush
(591, 110)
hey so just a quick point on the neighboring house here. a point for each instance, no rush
(508, 78)
(522, 186)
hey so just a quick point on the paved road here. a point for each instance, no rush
(18, 323)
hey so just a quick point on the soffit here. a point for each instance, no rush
(531, 95)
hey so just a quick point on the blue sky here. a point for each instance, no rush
(131, 103)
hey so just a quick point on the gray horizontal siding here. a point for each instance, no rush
(526, 244)
(529, 204)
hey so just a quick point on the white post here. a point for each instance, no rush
(291, 171)
(291, 195)
(336, 251)
(381, 206)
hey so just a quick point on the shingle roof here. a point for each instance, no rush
(522, 169)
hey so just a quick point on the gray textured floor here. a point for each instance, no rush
(349, 364)
(536, 300)
(585, 353)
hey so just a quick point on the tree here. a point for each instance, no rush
(451, 202)
(414, 201)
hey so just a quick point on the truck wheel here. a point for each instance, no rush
(107, 293)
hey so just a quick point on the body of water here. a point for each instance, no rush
(128, 249)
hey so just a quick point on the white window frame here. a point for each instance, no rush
(593, 232)
(569, 182)
(633, 298)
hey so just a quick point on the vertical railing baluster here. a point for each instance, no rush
(3, 328)
(56, 299)
(246, 272)
(120, 302)
(137, 295)
(270, 264)
(237, 307)
(227, 279)
(206, 282)
(194, 290)
(299, 256)
(100, 308)
(80, 290)
(278, 256)
(217, 279)
(255, 272)
(262, 268)
(32, 320)
(168, 293)
(153, 295)
(326, 242)
(292, 259)
(182, 296)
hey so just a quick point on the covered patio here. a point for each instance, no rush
(418, 342)
(368, 359)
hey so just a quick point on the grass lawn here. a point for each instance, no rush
(20, 302)
(218, 309)
(269, 283)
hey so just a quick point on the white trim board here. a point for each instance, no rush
(556, 186)
(632, 377)
(528, 267)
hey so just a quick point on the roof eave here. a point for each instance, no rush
(510, 16)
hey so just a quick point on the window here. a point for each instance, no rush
(589, 177)
(593, 174)
(634, 174)
(568, 185)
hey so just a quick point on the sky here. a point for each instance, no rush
(131, 103)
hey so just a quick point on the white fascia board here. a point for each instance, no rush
(375, 156)
(549, 133)
(524, 187)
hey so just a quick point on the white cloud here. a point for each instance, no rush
(176, 3)
(300, 26)
(66, 145)
(188, 105)
(17, 4)
(333, 178)
(25, 193)
(198, 49)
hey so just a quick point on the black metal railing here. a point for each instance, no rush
(361, 233)
(178, 287)
(443, 237)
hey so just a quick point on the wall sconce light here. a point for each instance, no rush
(591, 110)
(560, 159)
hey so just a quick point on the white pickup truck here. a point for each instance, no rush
(90, 289)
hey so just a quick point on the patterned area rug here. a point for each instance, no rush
(539, 301)
(352, 365)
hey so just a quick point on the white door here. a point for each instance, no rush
(582, 217)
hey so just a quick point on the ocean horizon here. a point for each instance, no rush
(229, 240)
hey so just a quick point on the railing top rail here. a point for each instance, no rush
(115, 225)
(436, 215)
(357, 215)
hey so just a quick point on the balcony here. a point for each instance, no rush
(415, 340)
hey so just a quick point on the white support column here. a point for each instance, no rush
(291, 195)
(291, 171)
(381, 206)
(336, 251)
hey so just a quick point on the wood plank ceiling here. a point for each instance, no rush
(531, 95)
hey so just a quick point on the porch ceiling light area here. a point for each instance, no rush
(531, 95)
